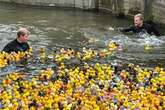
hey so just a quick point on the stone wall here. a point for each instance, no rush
(152, 9)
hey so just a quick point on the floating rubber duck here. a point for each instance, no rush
(147, 47)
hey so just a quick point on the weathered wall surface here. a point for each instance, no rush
(84, 4)
(152, 9)
(159, 10)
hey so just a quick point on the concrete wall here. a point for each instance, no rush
(152, 9)
(84, 4)
(128, 7)
(159, 11)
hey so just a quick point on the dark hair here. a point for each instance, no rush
(19, 33)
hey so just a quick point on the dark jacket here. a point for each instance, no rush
(145, 28)
(15, 46)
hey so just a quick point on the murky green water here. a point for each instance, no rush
(56, 28)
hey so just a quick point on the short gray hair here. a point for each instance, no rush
(139, 15)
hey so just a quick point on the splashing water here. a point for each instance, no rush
(145, 39)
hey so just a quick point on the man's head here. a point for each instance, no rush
(138, 20)
(23, 35)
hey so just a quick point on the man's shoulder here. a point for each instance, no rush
(9, 46)
(12, 42)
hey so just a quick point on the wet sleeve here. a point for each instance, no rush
(127, 29)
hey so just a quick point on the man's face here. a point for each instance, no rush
(24, 38)
(138, 22)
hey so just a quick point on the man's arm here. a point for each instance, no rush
(127, 29)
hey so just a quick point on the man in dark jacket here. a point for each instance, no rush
(140, 26)
(20, 43)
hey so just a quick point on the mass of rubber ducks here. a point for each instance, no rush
(84, 86)
(6, 58)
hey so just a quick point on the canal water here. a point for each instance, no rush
(69, 28)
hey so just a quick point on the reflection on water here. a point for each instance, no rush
(58, 28)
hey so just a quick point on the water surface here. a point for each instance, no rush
(69, 28)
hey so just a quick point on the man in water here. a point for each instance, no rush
(140, 26)
(20, 43)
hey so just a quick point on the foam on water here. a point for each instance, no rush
(150, 40)
(140, 47)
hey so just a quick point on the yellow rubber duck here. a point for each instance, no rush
(147, 47)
